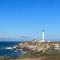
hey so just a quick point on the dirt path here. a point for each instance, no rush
(40, 58)
(34, 59)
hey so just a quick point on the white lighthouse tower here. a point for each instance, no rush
(43, 33)
(43, 37)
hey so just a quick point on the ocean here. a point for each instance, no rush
(7, 52)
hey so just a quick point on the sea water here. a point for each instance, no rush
(9, 52)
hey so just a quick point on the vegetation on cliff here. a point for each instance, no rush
(49, 52)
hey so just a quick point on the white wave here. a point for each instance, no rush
(8, 48)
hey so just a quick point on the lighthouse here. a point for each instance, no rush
(43, 36)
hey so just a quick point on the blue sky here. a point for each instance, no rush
(29, 18)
